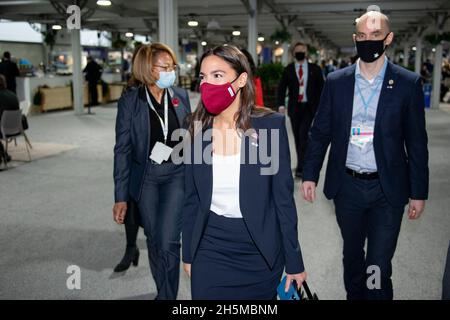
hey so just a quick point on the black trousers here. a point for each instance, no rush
(93, 94)
(363, 212)
(301, 118)
(160, 208)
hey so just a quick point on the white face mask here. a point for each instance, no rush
(166, 79)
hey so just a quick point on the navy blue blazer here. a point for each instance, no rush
(133, 139)
(400, 138)
(266, 201)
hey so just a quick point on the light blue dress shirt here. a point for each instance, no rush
(305, 75)
(363, 159)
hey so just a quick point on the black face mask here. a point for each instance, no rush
(370, 50)
(300, 56)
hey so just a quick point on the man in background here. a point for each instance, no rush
(10, 70)
(93, 73)
(305, 82)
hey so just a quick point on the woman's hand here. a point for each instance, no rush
(298, 277)
(187, 269)
(119, 212)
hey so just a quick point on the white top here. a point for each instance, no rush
(225, 195)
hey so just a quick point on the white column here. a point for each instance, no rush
(437, 74)
(418, 58)
(166, 23)
(175, 47)
(253, 28)
(77, 79)
(405, 54)
(200, 49)
(286, 53)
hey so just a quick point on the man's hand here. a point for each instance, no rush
(299, 278)
(187, 269)
(281, 109)
(309, 191)
(415, 208)
(119, 212)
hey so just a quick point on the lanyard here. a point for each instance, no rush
(165, 122)
(366, 104)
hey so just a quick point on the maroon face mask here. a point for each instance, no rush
(217, 97)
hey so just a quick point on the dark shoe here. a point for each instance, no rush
(8, 158)
(131, 256)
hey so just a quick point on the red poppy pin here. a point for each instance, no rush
(175, 102)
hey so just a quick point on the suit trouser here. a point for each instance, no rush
(363, 212)
(93, 94)
(301, 119)
(160, 208)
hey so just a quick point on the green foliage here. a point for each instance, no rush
(281, 35)
(435, 39)
(38, 98)
(270, 73)
(118, 43)
(50, 37)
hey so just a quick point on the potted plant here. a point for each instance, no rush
(281, 35)
(270, 74)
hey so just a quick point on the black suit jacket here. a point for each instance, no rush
(10, 70)
(400, 138)
(133, 139)
(266, 201)
(289, 80)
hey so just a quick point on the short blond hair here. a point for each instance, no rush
(143, 61)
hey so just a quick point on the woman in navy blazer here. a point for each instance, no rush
(156, 186)
(239, 217)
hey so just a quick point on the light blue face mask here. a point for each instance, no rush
(166, 79)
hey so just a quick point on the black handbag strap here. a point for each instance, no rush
(308, 292)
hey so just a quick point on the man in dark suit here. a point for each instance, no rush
(372, 114)
(93, 73)
(305, 82)
(10, 71)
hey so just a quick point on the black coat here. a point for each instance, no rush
(400, 137)
(10, 71)
(289, 80)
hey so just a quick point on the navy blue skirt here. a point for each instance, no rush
(229, 266)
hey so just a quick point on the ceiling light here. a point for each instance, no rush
(129, 35)
(103, 3)
(204, 43)
(56, 27)
(236, 33)
(192, 23)
(277, 42)
(260, 39)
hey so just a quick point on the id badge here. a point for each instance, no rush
(361, 135)
(160, 152)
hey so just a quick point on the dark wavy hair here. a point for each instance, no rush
(247, 109)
